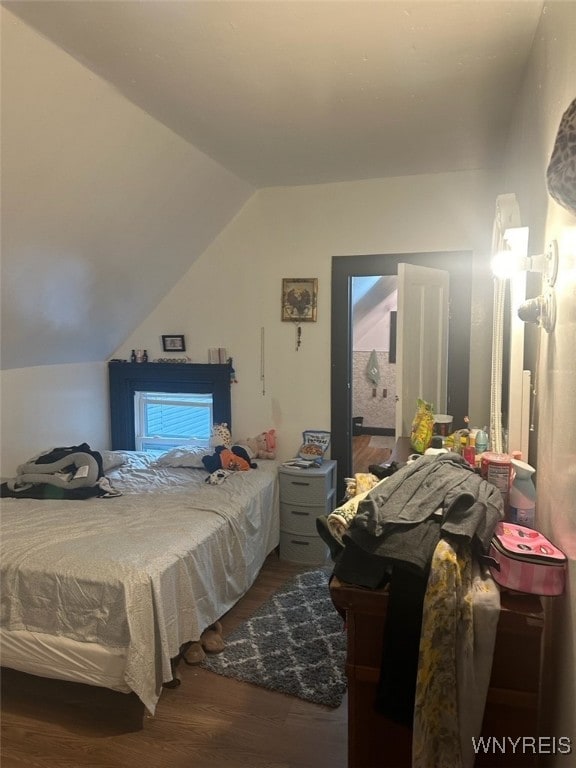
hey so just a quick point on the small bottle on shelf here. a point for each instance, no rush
(133, 356)
(145, 356)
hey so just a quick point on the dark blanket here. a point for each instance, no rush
(47, 491)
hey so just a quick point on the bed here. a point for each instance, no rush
(106, 591)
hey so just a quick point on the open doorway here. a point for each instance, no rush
(344, 268)
(374, 310)
(418, 300)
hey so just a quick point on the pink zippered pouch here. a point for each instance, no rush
(523, 560)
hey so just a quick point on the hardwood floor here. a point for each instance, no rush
(209, 721)
(364, 453)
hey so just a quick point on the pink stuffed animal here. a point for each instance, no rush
(263, 446)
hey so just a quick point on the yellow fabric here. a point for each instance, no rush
(360, 483)
(447, 634)
(357, 488)
(339, 520)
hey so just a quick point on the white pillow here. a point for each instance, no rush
(111, 460)
(184, 456)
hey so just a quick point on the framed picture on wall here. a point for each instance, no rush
(173, 343)
(299, 299)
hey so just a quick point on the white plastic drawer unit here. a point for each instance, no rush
(309, 487)
(298, 519)
(305, 494)
(308, 550)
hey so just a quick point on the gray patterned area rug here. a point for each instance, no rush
(295, 643)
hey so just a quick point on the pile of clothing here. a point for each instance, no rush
(423, 532)
(72, 472)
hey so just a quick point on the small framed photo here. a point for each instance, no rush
(173, 343)
(299, 299)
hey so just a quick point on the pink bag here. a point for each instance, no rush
(523, 560)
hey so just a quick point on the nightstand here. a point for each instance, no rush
(305, 494)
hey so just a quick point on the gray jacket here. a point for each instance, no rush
(403, 517)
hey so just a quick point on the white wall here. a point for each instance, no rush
(103, 207)
(234, 289)
(49, 406)
(377, 409)
(372, 330)
(549, 88)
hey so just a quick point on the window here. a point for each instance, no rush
(164, 420)
(125, 380)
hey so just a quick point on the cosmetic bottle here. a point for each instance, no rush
(470, 451)
(482, 440)
(522, 507)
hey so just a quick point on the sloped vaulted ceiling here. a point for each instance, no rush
(104, 208)
(134, 131)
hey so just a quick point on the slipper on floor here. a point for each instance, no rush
(212, 640)
(194, 653)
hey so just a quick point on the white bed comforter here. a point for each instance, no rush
(145, 571)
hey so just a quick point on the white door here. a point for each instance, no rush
(422, 342)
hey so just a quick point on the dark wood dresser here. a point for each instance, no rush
(512, 701)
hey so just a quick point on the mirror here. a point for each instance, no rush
(510, 396)
(344, 269)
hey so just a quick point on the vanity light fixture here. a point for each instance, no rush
(514, 258)
(546, 263)
(541, 310)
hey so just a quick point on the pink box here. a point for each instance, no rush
(524, 560)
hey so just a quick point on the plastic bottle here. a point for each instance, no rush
(522, 509)
(482, 440)
(470, 451)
